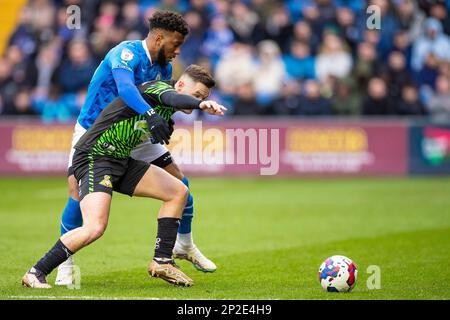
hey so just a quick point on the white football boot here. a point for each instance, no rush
(193, 254)
(65, 273)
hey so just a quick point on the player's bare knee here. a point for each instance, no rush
(96, 231)
(183, 193)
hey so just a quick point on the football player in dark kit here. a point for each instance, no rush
(123, 69)
(102, 164)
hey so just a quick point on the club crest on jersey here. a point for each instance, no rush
(142, 126)
(126, 55)
(106, 182)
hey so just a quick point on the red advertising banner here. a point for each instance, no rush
(263, 147)
(292, 148)
(34, 148)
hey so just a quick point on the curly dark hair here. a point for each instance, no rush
(170, 21)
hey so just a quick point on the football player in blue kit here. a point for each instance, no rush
(126, 66)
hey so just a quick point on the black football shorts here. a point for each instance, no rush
(106, 174)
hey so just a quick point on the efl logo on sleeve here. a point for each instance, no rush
(126, 55)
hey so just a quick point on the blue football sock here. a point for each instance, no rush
(188, 212)
(71, 217)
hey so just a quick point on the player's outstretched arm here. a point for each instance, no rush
(187, 102)
(212, 107)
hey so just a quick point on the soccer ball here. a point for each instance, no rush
(338, 274)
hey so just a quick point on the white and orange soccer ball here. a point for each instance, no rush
(338, 274)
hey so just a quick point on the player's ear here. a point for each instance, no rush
(159, 38)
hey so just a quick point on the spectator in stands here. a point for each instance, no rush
(132, 20)
(43, 17)
(8, 88)
(235, 68)
(170, 5)
(302, 32)
(346, 24)
(320, 15)
(396, 75)
(64, 33)
(289, 101)
(347, 99)
(444, 68)
(333, 58)
(190, 51)
(402, 43)
(410, 19)
(324, 40)
(433, 41)
(246, 104)
(24, 71)
(299, 63)
(218, 39)
(388, 27)
(201, 8)
(56, 106)
(263, 9)
(429, 72)
(22, 103)
(313, 104)
(76, 71)
(221, 8)
(245, 24)
(439, 11)
(409, 103)
(47, 62)
(269, 72)
(366, 65)
(439, 103)
(377, 101)
(107, 31)
(279, 27)
(24, 35)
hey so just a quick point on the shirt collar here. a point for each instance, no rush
(144, 44)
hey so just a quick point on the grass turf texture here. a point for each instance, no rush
(268, 238)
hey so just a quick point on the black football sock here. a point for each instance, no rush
(165, 240)
(53, 258)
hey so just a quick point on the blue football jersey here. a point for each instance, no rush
(130, 55)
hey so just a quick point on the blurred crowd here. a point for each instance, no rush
(292, 58)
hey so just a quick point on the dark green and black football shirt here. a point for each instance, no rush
(119, 129)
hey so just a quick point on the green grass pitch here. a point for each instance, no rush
(267, 236)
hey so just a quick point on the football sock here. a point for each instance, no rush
(53, 258)
(165, 239)
(71, 217)
(188, 212)
(185, 240)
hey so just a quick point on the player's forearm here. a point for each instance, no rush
(129, 92)
(180, 101)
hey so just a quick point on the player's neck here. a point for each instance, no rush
(152, 51)
(148, 48)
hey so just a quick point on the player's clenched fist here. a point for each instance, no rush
(212, 107)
